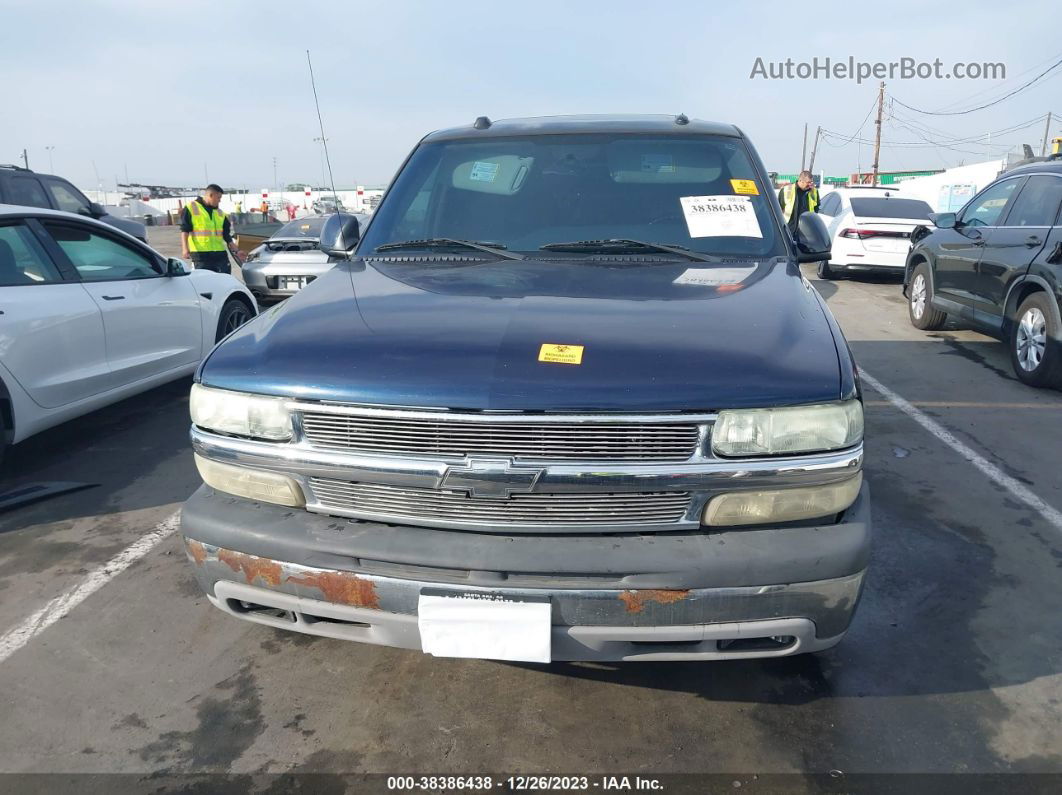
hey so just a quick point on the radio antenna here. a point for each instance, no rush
(324, 140)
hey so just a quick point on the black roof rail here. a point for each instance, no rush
(16, 168)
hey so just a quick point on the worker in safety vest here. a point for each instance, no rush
(206, 235)
(803, 197)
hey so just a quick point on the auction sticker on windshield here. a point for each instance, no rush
(720, 216)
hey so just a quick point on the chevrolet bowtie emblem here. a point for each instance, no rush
(497, 478)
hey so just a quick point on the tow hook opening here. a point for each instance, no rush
(773, 643)
(247, 608)
(309, 619)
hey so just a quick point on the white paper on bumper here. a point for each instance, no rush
(482, 627)
(720, 216)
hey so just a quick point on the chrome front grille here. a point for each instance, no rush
(445, 436)
(375, 500)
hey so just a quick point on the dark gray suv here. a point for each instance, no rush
(997, 266)
(26, 188)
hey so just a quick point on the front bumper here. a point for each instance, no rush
(684, 595)
(262, 277)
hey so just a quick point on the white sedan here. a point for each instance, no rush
(90, 315)
(870, 228)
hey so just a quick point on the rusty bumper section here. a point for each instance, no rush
(625, 596)
(588, 624)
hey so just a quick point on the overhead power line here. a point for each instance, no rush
(827, 136)
(1003, 85)
(862, 124)
(938, 144)
(931, 136)
(1006, 96)
(949, 138)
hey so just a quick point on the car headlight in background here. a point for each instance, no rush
(254, 484)
(781, 505)
(781, 431)
(240, 414)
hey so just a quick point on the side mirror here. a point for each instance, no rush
(96, 210)
(813, 239)
(177, 267)
(943, 220)
(340, 235)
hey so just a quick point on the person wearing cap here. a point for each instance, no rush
(206, 234)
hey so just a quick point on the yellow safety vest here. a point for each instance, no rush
(789, 194)
(207, 229)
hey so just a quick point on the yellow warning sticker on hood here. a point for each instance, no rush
(746, 187)
(561, 354)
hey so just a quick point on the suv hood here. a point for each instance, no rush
(667, 336)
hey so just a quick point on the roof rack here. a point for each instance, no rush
(16, 168)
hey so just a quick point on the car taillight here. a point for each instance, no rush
(861, 234)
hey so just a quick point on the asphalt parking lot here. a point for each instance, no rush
(953, 664)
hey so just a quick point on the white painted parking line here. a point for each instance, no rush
(34, 624)
(1017, 489)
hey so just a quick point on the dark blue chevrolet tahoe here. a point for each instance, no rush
(565, 397)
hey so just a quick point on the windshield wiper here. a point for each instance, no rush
(442, 242)
(615, 245)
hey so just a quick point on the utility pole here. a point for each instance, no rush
(877, 131)
(274, 173)
(804, 148)
(25, 159)
(814, 148)
(51, 166)
(1047, 133)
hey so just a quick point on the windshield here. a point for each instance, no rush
(304, 227)
(523, 193)
(891, 208)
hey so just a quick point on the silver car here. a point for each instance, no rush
(289, 260)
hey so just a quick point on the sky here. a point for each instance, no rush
(176, 93)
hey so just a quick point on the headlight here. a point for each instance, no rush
(798, 429)
(254, 484)
(781, 505)
(240, 414)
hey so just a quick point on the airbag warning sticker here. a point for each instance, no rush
(720, 216)
(561, 354)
